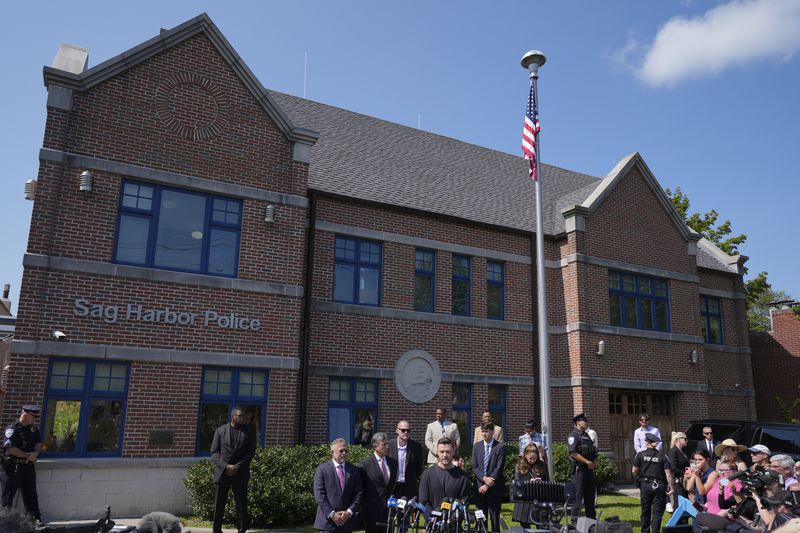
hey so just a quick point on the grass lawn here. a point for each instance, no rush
(608, 505)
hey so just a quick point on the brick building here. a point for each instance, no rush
(776, 364)
(200, 241)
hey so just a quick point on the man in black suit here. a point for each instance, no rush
(488, 462)
(709, 443)
(410, 461)
(338, 489)
(379, 474)
(232, 449)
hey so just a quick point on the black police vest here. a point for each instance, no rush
(25, 437)
(652, 465)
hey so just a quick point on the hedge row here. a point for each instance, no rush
(281, 478)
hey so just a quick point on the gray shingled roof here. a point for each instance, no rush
(372, 159)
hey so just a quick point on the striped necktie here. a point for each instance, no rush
(487, 449)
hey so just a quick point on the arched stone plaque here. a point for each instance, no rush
(417, 376)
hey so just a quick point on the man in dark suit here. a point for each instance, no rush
(379, 474)
(488, 461)
(410, 461)
(709, 443)
(338, 489)
(232, 449)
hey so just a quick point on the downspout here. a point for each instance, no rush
(308, 297)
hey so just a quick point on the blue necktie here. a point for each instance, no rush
(487, 449)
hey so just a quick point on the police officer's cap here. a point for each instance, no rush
(34, 410)
(652, 437)
(580, 416)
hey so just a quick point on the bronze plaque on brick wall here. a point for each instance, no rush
(160, 437)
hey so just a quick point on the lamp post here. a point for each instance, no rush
(531, 62)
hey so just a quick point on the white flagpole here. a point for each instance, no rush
(532, 61)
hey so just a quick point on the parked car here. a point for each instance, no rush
(778, 437)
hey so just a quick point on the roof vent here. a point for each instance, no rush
(71, 58)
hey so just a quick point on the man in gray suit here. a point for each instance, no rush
(338, 489)
(232, 449)
(488, 462)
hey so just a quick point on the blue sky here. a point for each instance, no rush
(706, 91)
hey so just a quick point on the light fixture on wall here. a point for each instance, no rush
(601, 348)
(269, 214)
(85, 181)
(694, 357)
(30, 190)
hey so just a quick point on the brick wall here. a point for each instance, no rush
(776, 365)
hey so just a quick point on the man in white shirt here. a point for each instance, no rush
(486, 418)
(639, 442)
(410, 460)
(441, 428)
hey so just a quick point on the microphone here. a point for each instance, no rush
(445, 509)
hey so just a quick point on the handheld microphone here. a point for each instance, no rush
(445, 509)
(391, 502)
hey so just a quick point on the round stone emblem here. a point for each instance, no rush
(192, 106)
(417, 376)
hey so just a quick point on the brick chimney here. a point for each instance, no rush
(786, 325)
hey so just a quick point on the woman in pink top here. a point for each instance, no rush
(719, 497)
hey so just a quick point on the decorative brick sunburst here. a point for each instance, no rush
(192, 106)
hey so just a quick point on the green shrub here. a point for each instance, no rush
(280, 491)
(281, 480)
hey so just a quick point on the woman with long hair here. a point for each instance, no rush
(729, 451)
(700, 477)
(530, 467)
(720, 496)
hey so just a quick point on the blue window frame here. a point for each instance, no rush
(638, 301)
(424, 280)
(174, 229)
(497, 405)
(84, 411)
(357, 271)
(495, 308)
(711, 314)
(352, 409)
(462, 414)
(461, 285)
(221, 390)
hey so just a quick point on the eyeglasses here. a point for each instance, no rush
(404, 430)
(724, 470)
(708, 433)
(643, 419)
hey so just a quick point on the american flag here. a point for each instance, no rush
(529, 133)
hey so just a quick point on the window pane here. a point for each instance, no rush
(222, 249)
(615, 309)
(254, 414)
(630, 312)
(424, 260)
(103, 380)
(345, 249)
(104, 426)
(132, 240)
(629, 283)
(703, 305)
(212, 416)
(660, 288)
(713, 306)
(460, 394)
(368, 285)
(423, 293)
(662, 321)
(460, 298)
(496, 395)
(339, 425)
(61, 425)
(647, 313)
(225, 211)
(366, 391)
(461, 266)
(494, 301)
(644, 286)
(613, 280)
(461, 419)
(370, 253)
(179, 240)
(252, 384)
(704, 329)
(494, 272)
(364, 426)
(339, 390)
(137, 196)
(715, 333)
(344, 278)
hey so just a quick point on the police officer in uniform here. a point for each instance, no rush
(582, 457)
(653, 474)
(23, 444)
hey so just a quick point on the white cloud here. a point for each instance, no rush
(730, 35)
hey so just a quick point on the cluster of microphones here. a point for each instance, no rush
(452, 516)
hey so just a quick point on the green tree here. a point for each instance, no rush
(757, 289)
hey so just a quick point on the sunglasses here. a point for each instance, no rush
(708, 433)
(404, 430)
